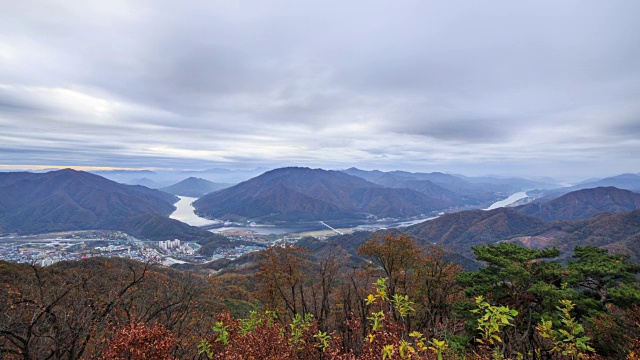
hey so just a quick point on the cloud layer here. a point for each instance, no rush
(540, 87)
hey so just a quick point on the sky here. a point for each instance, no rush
(526, 88)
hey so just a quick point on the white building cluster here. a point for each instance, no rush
(169, 244)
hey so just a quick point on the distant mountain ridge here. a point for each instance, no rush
(459, 190)
(425, 187)
(304, 194)
(624, 181)
(146, 182)
(193, 187)
(584, 203)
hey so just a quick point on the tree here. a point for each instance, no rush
(396, 255)
(610, 278)
(518, 278)
(282, 276)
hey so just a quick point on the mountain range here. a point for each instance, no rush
(457, 189)
(595, 225)
(75, 200)
(303, 194)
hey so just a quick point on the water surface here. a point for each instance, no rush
(185, 212)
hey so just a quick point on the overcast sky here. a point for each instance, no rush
(474, 87)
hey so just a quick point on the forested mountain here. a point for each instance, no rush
(72, 200)
(303, 194)
(584, 203)
(425, 187)
(76, 200)
(193, 187)
(459, 232)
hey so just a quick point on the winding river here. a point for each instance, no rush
(185, 212)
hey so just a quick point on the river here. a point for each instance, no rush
(508, 201)
(185, 212)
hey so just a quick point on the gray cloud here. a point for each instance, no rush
(521, 87)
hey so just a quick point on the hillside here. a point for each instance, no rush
(303, 194)
(620, 233)
(193, 187)
(459, 231)
(584, 203)
(424, 187)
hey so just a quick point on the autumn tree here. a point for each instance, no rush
(395, 255)
(435, 291)
(283, 278)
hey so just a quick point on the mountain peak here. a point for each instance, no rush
(193, 187)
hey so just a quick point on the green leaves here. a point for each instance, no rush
(377, 319)
(323, 339)
(249, 324)
(221, 329)
(298, 326)
(402, 304)
(611, 277)
(493, 319)
(567, 340)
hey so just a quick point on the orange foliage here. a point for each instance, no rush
(138, 342)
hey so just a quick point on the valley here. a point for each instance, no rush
(288, 204)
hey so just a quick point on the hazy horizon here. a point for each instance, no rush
(526, 89)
